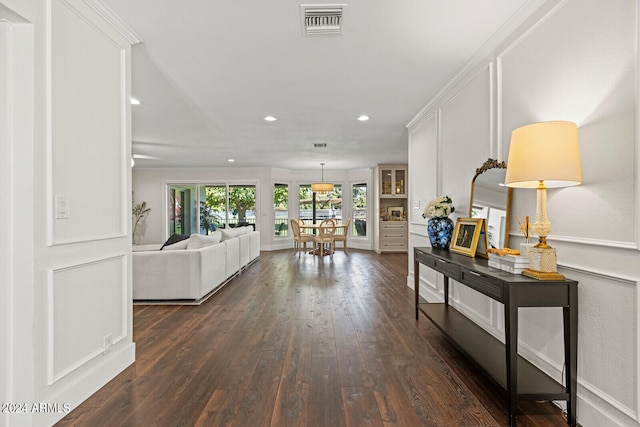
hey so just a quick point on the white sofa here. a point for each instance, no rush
(193, 269)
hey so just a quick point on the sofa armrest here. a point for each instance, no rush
(143, 248)
(166, 274)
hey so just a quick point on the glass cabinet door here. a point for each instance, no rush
(386, 187)
(400, 180)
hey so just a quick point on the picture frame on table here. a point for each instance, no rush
(396, 213)
(483, 241)
(466, 235)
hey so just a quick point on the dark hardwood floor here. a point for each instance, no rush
(301, 341)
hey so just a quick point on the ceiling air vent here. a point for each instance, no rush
(322, 18)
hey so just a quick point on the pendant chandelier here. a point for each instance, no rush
(322, 187)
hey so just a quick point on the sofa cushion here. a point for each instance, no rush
(197, 241)
(182, 244)
(175, 238)
(228, 233)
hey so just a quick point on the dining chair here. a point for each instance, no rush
(343, 237)
(300, 239)
(325, 236)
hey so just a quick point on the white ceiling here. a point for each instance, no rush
(208, 71)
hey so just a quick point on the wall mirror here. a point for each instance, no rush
(491, 199)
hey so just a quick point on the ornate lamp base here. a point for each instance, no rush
(543, 264)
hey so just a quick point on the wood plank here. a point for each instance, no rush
(361, 408)
(325, 389)
(291, 406)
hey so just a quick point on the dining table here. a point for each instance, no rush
(315, 227)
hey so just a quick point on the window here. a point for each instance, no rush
(182, 212)
(201, 208)
(328, 205)
(242, 205)
(306, 197)
(359, 209)
(281, 209)
(213, 207)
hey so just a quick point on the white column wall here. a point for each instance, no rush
(572, 60)
(16, 165)
(65, 137)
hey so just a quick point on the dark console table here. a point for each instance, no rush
(519, 377)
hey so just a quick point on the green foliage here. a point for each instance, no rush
(241, 199)
(360, 196)
(323, 201)
(209, 217)
(281, 196)
(216, 198)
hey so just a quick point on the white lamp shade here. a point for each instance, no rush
(546, 151)
(322, 187)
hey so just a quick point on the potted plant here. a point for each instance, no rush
(140, 213)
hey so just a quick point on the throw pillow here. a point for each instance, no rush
(175, 238)
(182, 244)
(228, 233)
(197, 241)
(216, 236)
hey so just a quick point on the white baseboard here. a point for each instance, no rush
(93, 380)
(594, 409)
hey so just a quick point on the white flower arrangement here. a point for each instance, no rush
(439, 207)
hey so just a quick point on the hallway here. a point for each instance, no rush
(301, 341)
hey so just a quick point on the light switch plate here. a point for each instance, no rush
(62, 207)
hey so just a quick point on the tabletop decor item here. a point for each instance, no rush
(466, 236)
(544, 155)
(439, 226)
(525, 229)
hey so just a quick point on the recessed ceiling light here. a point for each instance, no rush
(271, 118)
(135, 101)
(363, 118)
(231, 160)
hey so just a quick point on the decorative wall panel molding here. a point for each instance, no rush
(474, 139)
(87, 144)
(95, 290)
(587, 76)
(423, 158)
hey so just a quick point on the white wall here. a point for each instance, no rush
(149, 185)
(16, 174)
(572, 60)
(66, 128)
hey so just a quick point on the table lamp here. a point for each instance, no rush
(544, 155)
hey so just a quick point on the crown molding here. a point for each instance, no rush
(114, 20)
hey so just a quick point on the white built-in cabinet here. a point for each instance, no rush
(393, 181)
(391, 206)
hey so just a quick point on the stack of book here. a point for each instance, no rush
(515, 264)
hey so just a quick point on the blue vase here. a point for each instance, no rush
(440, 232)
